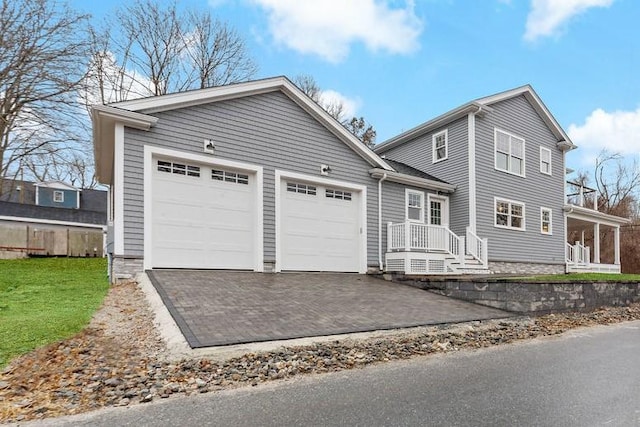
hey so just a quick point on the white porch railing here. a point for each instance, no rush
(412, 236)
(578, 254)
(477, 247)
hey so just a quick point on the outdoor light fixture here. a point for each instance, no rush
(208, 146)
(325, 169)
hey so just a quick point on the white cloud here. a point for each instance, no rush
(617, 132)
(547, 17)
(328, 98)
(327, 28)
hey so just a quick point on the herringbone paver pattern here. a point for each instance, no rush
(221, 307)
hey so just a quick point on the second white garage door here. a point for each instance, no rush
(320, 227)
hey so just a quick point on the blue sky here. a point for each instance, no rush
(400, 63)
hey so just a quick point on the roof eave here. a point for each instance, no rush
(104, 118)
(595, 215)
(415, 181)
(448, 117)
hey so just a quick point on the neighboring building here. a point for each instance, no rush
(257, 176)
(51, 219)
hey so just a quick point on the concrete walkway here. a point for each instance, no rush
(214, 308)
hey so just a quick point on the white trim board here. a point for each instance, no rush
(118, 184)
(280, 174)
(51, 222)
(150, 152)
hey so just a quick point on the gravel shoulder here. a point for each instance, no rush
(120, 359)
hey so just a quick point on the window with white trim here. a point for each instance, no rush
(295, 187)
(179, 168)
(545, 160)
(509, 151)
(440, 146)
(58, 196)
(509, 214)
(414, 205)
(545, 221)
(227, 176)
(337, 194)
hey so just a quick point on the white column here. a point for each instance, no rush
(596, 243)
(616, 245)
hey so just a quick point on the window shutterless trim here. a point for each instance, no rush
(408, 192)
(509, 155)
(542, 221)
(546, 150)
(434, 148)
(509, 215)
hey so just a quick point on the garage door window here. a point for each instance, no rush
(178, 168)
(226, 176)
(295, 187)
(337, 194)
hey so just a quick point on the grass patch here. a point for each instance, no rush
(580, 277)
(43, 300)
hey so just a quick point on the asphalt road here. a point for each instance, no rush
(589, 377)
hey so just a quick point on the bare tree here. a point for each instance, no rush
(215, 53)
(358, 126)
(362, 130)
(42, 51)
(153, 35)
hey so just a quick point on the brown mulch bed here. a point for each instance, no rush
(120, 360)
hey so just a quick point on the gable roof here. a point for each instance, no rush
(481, 106)
(59, 185)
(137, 113)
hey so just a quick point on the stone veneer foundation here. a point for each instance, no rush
(525, 268)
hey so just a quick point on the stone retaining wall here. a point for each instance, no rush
(532, 297)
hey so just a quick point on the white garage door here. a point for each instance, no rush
(203, 217)
(319, 228)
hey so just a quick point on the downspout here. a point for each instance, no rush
(380, 263)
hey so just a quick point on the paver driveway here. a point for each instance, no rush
(220, 307)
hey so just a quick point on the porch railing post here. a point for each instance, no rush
(389, 237)
(407, 236)
(485, 252)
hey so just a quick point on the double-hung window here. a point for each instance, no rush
(509, 214)
(509, 153)
(58, 196)
(440, 146)
(545, 160)
(415, 205)
(545, 221)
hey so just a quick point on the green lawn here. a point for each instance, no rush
(581, 277)
(43, 300)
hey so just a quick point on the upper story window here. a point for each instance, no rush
(58, 196)
(414, 205)
(509, 214)
(545, 221)
(440, 143)
(509, 153)
(545, 160)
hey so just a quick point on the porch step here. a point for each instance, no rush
(471, 266)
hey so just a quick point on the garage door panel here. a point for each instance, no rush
(319, 233)
(200, 222)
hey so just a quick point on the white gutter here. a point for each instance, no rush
(380, 263)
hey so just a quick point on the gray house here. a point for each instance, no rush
(505, 154)
(256, 176)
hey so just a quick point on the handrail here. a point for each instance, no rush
(477, 247)
(577, 254)
(413, 236)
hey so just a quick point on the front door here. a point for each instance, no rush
(438, 210)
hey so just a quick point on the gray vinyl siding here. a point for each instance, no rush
(454, 170)
(268, 130)
(535, 190)
(394, 205)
